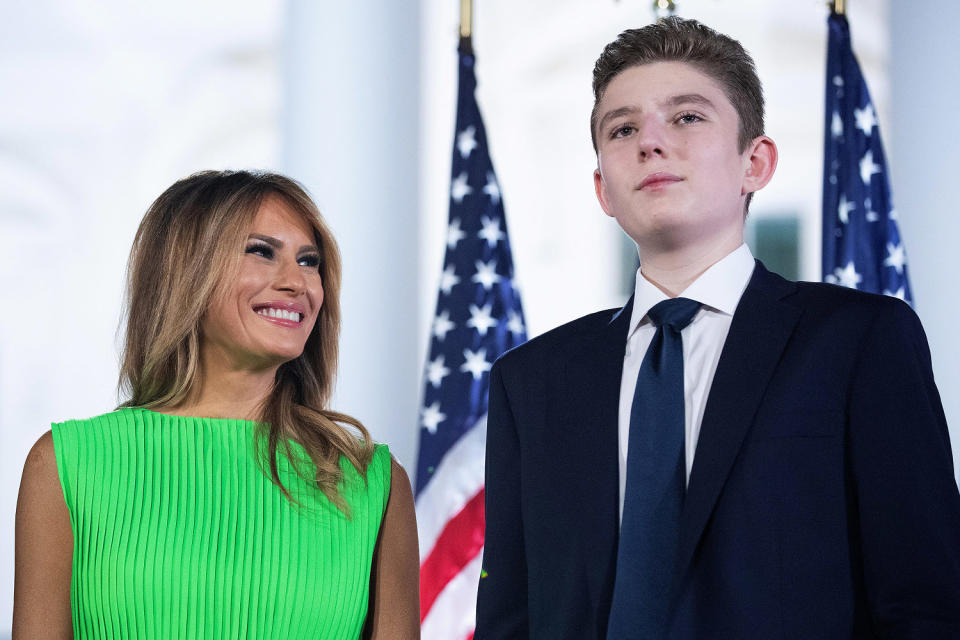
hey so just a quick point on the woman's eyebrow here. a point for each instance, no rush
(270, 240)
(276, 243)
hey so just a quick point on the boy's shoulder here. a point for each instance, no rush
(564, 339)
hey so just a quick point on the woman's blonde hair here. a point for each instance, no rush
(187, 247)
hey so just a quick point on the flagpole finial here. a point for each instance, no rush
(838, 6)
(466, 27)
(466, 19)
(664, 9)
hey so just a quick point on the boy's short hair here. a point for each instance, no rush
(677, 40)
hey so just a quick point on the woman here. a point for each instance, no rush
(224, 498)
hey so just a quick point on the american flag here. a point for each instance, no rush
(862, 248)
(478, 317)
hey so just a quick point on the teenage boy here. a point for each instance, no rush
(731, 455)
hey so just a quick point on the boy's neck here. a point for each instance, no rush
(674, 269)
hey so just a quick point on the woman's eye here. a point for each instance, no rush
(309, 260)
(262, 250)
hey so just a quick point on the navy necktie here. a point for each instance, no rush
(656, 482)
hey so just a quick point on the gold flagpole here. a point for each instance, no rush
(466, 25)
(838, 6)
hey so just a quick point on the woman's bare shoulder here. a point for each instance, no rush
(398, 474)
(395, 595)
(40, 468)
(41, 496)
(44, 548)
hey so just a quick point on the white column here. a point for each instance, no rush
(350, 135)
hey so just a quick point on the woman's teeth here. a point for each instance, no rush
(270, 312)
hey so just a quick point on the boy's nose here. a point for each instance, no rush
(650, 139)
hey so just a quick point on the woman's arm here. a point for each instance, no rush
(44, 550)
(395, 578)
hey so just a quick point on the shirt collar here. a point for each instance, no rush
(720, 287)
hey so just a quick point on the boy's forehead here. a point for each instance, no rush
(663, 82)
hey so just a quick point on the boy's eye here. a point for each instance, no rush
(260, 249)
(688, 118)
(623, 131)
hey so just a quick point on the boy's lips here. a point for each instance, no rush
(658, 179)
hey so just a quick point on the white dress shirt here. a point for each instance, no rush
(718, 289)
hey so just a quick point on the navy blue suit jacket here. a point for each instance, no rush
(821, 504)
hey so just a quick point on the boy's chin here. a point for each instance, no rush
(661, 234)
(670, 233)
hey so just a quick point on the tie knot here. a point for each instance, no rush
(675, 313)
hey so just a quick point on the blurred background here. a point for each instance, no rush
(106, 104)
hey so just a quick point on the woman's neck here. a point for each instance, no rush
(227, 392)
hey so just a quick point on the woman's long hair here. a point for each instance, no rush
(187, 247)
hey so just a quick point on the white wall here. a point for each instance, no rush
(924, 158)
(102, 110)
(103, 106)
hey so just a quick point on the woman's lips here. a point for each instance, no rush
(659, 179)
(281, 304)
(283, 322)
(285, 314)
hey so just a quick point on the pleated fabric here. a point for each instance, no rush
(178, 533)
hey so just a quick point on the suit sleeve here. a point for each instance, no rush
(903, 482)
(502, 595)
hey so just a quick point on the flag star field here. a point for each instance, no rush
(478, 317)
(862, 248)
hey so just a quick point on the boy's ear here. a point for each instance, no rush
(761, 158)
(601, 188)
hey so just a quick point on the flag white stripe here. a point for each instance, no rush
(457, 479)
(454, 612)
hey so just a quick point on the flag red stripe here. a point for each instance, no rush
(458, 543)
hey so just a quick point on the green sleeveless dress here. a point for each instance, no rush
(178, 533)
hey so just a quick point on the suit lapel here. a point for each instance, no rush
(761, 327)
(588, 435)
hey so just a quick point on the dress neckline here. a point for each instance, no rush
(174, 416)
